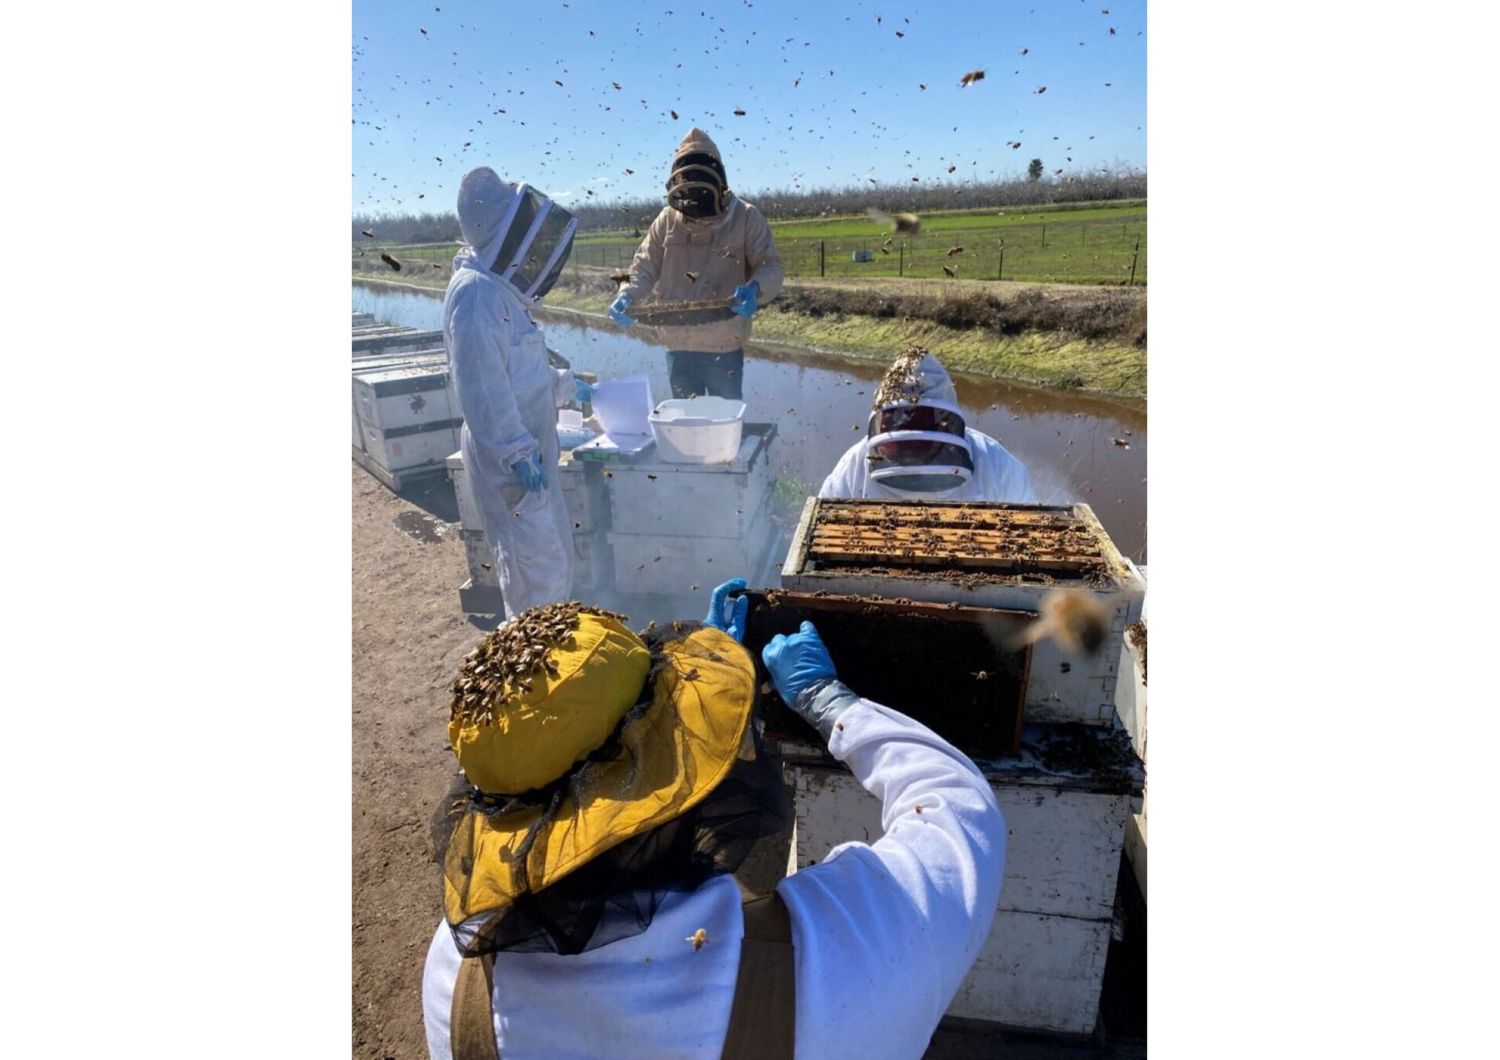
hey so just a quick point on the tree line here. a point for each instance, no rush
(1104, 184)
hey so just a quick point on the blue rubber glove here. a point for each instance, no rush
(531, 474)
(746, 300)
(617, 311)
(734, 622)
(582, 392)
(803, 673)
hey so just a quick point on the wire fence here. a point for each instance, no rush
(1091, 252)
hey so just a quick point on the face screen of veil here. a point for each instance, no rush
(538, 240)
(918, 440)
(696, 186)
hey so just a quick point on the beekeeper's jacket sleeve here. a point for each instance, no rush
(478, 356)
(645, 267)
(885, 932)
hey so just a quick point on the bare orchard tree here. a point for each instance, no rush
(634, 216)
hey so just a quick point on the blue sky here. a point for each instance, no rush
(831, 92)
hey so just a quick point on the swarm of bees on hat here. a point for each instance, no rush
(511, 656)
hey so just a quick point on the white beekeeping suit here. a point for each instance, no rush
(517, 241)
(919, 448)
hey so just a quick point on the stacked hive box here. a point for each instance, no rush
(675, 525)
(405, 410)
(583, 494)
(1076, 780)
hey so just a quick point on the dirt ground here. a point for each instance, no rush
(409, 637)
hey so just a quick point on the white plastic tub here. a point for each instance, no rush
(702, 430)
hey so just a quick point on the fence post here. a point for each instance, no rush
(1133, 257)
(1000, 270)
(1044, 234)
(901, 259)
(821, 250)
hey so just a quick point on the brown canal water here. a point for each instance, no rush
(820, 403)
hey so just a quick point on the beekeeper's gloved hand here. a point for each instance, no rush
(531, 474)
(727, 614)
(803, 673)
(746, 300)
(617, 311)
(582, 392)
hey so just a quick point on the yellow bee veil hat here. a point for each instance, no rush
(655, 781)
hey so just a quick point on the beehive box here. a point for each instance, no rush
(370, 362)
(979, 555)
(1066, 797)
(957, 670)
(668, 564)
(404, 453)
(406, 395)
(654, 497)
(583, 494)
(468, 509)
(362, 320)
(394, 339)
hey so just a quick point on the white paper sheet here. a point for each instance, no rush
(623, 409)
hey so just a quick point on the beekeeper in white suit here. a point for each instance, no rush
(917, 446)
(517, 241)
(589, 904)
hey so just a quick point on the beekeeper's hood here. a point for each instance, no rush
(696, 185)
(594, 787)
(513, 230)
(918, 439)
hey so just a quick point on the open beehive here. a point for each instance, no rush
(986, 555)
(961, 671)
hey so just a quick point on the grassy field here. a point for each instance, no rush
(1090, 245)
(1086, 337)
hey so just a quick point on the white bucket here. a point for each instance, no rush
(702, 430)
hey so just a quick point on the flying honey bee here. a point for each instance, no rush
(673, 113)
(901, 223)
(692, 276)
(392, 262)
(955, 250)
(949, 271)
(367, 232)
(970, 77)
(738, 112)
(1073, 618)
(619, 277)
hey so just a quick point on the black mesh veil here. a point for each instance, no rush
(616, 894)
